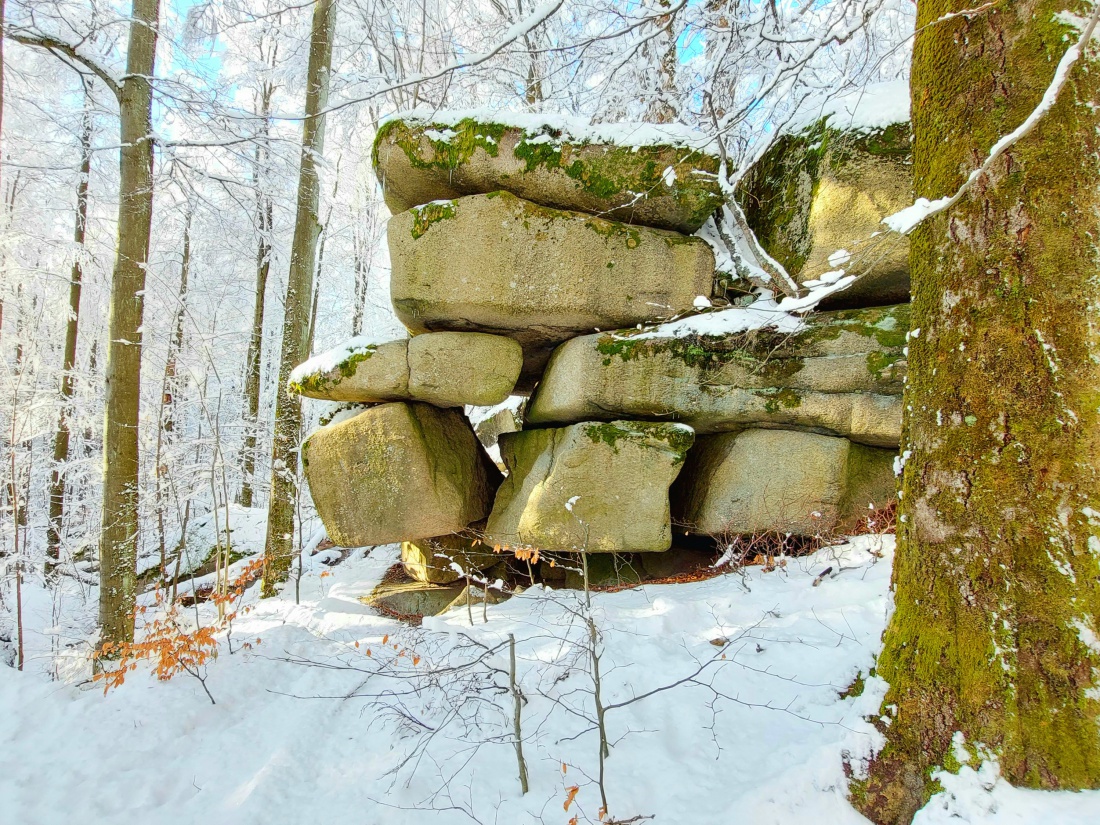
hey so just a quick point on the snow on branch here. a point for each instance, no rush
(68, 53)
(909, 218)
(524, 27)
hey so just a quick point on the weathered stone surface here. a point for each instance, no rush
(429, 560)
(760, 480)
(825, 191)
(398, 472)
(459, 368)
(843, 375)
(412, 598)
(613, 476)
(664, 186)
(447, 369)
(495, 263)
(357, 371)
(473, 595)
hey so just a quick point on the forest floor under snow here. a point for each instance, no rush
(311, 727)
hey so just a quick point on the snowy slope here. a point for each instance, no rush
(310, 728)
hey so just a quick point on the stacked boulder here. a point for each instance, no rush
(534, 259)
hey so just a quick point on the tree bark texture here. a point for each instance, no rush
(119, 536)
(279, 546)
(997, 573)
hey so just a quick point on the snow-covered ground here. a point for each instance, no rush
(343, 716)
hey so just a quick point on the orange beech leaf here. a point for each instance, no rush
(571, 796)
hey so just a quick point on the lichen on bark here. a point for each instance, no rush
(997, 577)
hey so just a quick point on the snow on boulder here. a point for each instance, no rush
(592, 487)
(398, 472)
(637, 173)
(499, 264)
(787, 481)
(841, 373)
(447, 369)
(816, 200)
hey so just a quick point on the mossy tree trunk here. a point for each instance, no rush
(997, 574)
(278, 549)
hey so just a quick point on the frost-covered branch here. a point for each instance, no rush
(516, 32)
(69, 53)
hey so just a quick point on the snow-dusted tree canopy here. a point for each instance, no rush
(264, 204)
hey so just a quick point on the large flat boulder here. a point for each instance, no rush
(398, 472)
(592, 487)
(842, 375)
(774, 480)
(816, 200)
(447, 369)
(412, 599)
(498, 264)
(648, 176)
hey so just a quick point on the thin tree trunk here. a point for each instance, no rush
(76, 279)
(18, 555)
(166, 422)
(296, 323)
(997, 574)
(119, 535)
(2, 38)
(263, 270)
(359, 255)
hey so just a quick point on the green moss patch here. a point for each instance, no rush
(678, 439)
(776, 400)
(463, 138)
(318, 382)
(431, 213)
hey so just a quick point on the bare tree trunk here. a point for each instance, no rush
(166, 422)
(997, 574)
(361, 270)
(119, 535)
(263, 270)
(17, 551)
(1, 103)
(296, 322)
(61, 439)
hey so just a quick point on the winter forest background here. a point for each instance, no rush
(228, 98)
(742, 697)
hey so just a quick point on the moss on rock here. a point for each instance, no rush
(665, 186)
